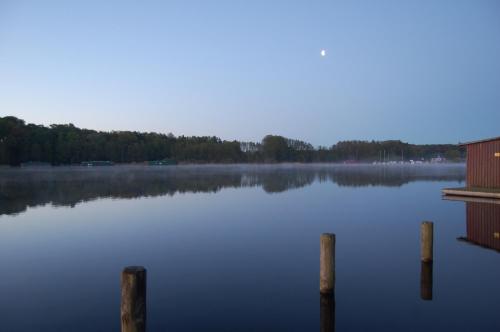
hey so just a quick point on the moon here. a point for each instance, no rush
(323, 52)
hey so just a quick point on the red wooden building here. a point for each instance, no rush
(483, 170)
(483, 163)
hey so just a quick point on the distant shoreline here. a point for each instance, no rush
(65, 144)
(276, 165)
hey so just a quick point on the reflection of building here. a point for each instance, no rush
(483, 224)
(483, 170)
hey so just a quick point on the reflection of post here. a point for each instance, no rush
(426, 241)
(327, 312)
(426, 281)
(327, 263)
(426, 253)
(133, 303)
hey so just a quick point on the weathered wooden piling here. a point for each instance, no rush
(133, 302)
(327, 263)
(426, 281)
(327, 312)
(426, 241)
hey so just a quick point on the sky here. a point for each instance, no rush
(421, 71)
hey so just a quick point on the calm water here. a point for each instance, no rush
(236, 248)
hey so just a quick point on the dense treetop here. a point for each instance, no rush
(67, 144)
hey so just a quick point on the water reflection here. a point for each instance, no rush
(426, 281)
(22, 188)
(327, 312)
(483, 224)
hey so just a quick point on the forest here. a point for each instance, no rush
(65, 144)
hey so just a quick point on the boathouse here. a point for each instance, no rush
(483, 170)
(483, 163)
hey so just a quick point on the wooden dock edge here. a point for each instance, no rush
(464, 192)
(470, 199)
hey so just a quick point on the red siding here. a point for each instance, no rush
(483, 168)
(483, 224)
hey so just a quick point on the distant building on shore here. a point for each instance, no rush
(97, 163)
(438, 160)
(163, 162)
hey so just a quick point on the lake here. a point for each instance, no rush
(236, 248)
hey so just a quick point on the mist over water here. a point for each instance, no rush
(236, 248)
(67, 186)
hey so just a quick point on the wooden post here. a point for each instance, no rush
(133, 303)
(327, 312)
(426, 281)
(327, 263)
(426, 241)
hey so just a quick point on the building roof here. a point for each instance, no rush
(481, 141)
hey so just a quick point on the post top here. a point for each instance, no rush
(134, 269)
(427, 222)
(328, 235)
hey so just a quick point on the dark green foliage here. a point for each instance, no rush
(394, 151)
(67, 144)
(275, 148)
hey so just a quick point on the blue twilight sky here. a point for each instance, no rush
(421, 71)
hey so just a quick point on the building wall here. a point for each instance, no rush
(483, 224)
(483, 168)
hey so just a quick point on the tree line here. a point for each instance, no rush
(63, 144)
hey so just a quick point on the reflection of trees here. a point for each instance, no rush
(20, 189)
(394, 176)
(278, 181)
